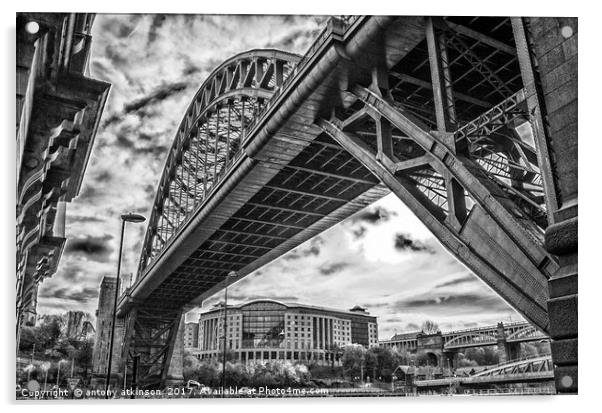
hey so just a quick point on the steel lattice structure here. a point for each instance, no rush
(209, 138)
(532, 369)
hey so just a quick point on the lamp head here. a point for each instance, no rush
(131, 217)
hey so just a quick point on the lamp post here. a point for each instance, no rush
(45, 366)
(58, 373)
(135, 218)
(230, 274)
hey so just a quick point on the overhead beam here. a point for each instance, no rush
(259, 221)
(331, 175)
(251, 233)
(480, 37)
(413, 164)
(284, 209)
(527, 295)
(427, 85)
(305, 192)
(241, 244)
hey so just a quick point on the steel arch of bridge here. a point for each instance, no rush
(475, 338)
(539, 364)
(524, 333)
(208, 140)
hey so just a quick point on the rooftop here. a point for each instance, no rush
(355, 311)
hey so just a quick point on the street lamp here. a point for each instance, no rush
(45, 366)
(58, 373)
(135, 218)
(230, 274)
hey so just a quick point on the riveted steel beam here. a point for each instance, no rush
(496, 258)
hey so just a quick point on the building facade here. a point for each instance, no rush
(79, 326)
(265, 330)
(58, 112)
(104, 320)
(191, 335)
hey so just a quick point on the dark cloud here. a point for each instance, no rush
(83, 218)
(104, 177)
(328, 269)
(373, 215)
(466, 302)
(159, 94)
(124, 141)
(190, 68)
(245, 298)
(457, 281)
(359, 232)
(71, 271)
(404, 243)
(130, 138)
(88, 193)
(375, 305)
(82, 295)
(117, 54)
(119, 27)
(393, 319)
(288, 41)
(94, 248)
(314, 248)
(146, 137)
(158, 20)
(412, 327)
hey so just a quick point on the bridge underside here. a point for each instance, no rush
(432, 110)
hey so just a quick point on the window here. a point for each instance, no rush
(263, 325)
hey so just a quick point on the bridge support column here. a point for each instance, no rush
(547, 52)
(513, 350)
(450, 360)
(103, 336)
(175, 371)
(502, 346)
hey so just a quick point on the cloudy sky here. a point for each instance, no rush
(382, 258)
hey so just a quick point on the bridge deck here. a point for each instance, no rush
(282, 190)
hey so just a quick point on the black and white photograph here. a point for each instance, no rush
(295, 206)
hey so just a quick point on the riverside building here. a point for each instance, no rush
(264, 330)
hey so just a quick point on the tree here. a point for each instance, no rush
(482, 356)
(354, 356)
(191, 366)
(83, 356)
(337, 353)
(404, 358)
(430, 327)
(45, 336)
(382, 362)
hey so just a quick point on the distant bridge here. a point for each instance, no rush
(474, 337)
(275, 149)
(446, 345)
(534, 369)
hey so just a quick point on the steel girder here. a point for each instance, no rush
(209, 137)
(492, 236)
(150, 336)
(532, 365)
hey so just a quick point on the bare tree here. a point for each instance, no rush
(430, 327)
